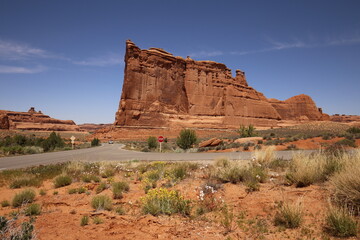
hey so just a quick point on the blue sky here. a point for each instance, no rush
(66, 57)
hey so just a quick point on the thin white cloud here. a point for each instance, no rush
(18, 51)
(102, 61)
(344, 41)
(21, 70)
(278, 46)
(206, 54)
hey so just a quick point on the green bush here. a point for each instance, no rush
(353, 130)
(5, 203)
(248, 131)
(3, 224)
(33, 209)
(163, 201)
(24, 197)
(25, 181)
(97, 220)
(118, 188)
(120, 210)
(52, 142)
(102, 186)
(152, 142)
(84, 220)
(95, 142)
(186, 139)
(346, 142)
(340, 223)
(62, 181)
(101, 202)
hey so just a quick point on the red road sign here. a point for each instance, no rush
(160, 139)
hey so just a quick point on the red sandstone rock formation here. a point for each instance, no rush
(345, 118)
(92, 127)
(33, 120)
(299, 108)
(162, 90)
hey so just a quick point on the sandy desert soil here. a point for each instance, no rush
(253, 212)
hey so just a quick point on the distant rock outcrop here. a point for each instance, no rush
(345, 118)
(162, 90)
(33, 120)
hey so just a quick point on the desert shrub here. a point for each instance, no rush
(62, 181)
(102, 186)
(163, 201)
(5, 203)
(107, 171)
(11, 231)
(186, 139)
(84, 220)
(353, 130)
(120, 210)
(97, 220)
(52, 142)
(288, 215)
(95, 142)
(101, 202)
(340, 223)
(72, 190)
(222, 162)
(291, 147)
(145, 150)
(81, 190)
(308, 169)
(346, 182)
(233, 174)
(248, 131)
(178, 171)
(152, 142)
(89, 178)
(279, 164)
(346, 142)
(118, 188)
(33, 210)
(265, 157)
(24, 197)
(42, 192)
(3, 224)
(25, 181)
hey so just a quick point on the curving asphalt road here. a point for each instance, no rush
(114, 152)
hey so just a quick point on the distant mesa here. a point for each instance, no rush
(34, 120)
(163, 90)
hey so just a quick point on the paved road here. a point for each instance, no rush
(113, 152)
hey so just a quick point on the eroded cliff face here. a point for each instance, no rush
(33, 120)
(161, 90)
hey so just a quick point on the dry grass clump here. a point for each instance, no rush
(289, 215)
(118, 188)
(265, 157)
(340, 223)
(164, 201)
(25, 181)
(101, 202)
(346, 183)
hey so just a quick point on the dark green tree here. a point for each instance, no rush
(52, 142)
(186, 139)
(152, 142)
(95, 142)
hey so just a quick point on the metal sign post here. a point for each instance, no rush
(160, 140)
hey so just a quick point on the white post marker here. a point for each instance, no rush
(160, 140)
(72, 141)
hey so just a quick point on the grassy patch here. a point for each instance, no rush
(62, 181)
(340, 223)
(288, 215)
(101, 202)
(33, 210)
(5, 203)
(118, 188)
(25, 181)
(24, 197)
(164, 201)
(84, 220)
(346, 183)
